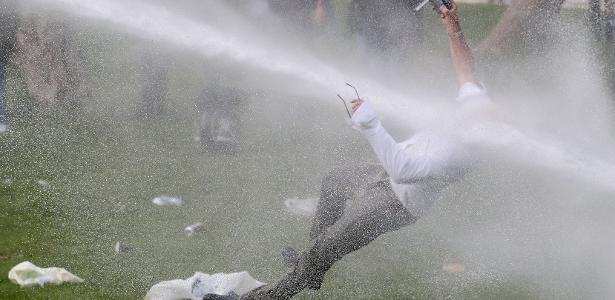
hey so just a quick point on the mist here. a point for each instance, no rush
(533, 216)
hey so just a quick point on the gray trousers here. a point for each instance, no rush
(339, 229)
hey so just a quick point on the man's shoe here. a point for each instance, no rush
(230, 296)
(292, 284)
(261, 293)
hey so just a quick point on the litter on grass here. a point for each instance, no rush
(201, 285)
(194, 229)
(121, 247)
(27, 274)
(302, 207)
(168, 201)
(44, 184)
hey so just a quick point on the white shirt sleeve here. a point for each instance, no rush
(471, 92)
(401, 167)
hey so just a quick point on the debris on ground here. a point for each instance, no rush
(168, 201)
(205, 286)
(302, 207)
(194, 229)
(27, 274)
(121, 247)
(453, 268)
(44, 184)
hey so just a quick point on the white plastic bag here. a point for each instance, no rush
(199, 285)
(27, 274)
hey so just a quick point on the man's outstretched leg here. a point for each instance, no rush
(339, 186)
(383, 214)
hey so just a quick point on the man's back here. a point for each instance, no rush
(446, 160)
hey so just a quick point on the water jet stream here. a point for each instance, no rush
(151, 21)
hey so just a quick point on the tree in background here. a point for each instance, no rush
(8, 27)
(50, 65)
(523, 18)
(154, 73)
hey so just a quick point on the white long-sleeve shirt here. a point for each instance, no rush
(424, 165)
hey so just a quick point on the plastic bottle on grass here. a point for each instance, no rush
(168, 201)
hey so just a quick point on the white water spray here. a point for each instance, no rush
(157, 23)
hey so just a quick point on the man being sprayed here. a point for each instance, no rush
(392, 195)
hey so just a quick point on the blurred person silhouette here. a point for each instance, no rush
(154, 76)
(51, 62)
(220, 106)
(324, 15)
(387, 26)
(392, 194)
(309, 15)
(253, 8)
(8, 30)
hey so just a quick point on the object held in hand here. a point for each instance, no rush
(436, 3)
(345, 105)
(344, 101)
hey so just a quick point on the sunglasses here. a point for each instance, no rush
(344, 101)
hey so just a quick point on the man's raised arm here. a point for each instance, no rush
(461, 54)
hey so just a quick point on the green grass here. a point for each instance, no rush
(104, 169)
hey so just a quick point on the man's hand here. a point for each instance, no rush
(446, 12)
(450, 19)
(356, 104)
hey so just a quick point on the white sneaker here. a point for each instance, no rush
(4, 128)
